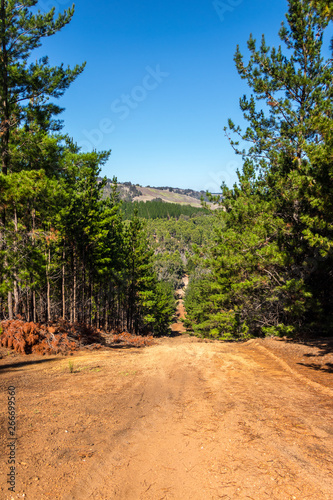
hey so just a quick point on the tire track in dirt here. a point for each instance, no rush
(206, 420)
(285, 366)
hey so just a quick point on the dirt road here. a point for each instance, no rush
(183, 419)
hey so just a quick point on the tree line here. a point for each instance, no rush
(65, 250)
(158, 209)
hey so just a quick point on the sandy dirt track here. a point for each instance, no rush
(183, 419)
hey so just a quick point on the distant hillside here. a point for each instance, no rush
(135, 192)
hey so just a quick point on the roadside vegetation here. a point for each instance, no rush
(270, 270)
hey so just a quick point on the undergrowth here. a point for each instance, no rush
(61, 337)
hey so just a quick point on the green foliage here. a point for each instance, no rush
(271, 266)
(65, 250)
(26, 87)
(174, 243)
(158, 209)
(162, 309)
(169, 267)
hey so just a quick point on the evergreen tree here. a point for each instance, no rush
(272, 265)
(65, 250)
(26, 114)
(25, 88)
(162, 310)
(139, 276)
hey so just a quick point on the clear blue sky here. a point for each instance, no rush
(160, 83)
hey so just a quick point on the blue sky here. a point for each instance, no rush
(160, 83)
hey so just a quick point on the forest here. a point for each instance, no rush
(158, 349)
(260, 263)
(66, 252)
(157, 209)
(270, 270)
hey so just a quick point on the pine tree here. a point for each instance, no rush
(269, 262)
(24, 87)
(64, 248)
(26, 116)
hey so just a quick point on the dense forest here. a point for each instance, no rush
(177, 245)
(270, 271)
(65, 250)
(157, 209)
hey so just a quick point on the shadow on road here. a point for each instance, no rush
(324, 346)
(21, 364)
(328, 368)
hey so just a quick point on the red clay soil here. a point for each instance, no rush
(182, 419)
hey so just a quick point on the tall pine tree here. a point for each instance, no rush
(271, 267)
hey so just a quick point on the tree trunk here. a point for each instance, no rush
(98, 311)
(33, 298)
(41, 313)
(63, 285)
(74, 289)
(5, 124)
(15, 250)
(10, 306)
(34, 306)
(91, 301)
(28, 316)
(48, 290)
